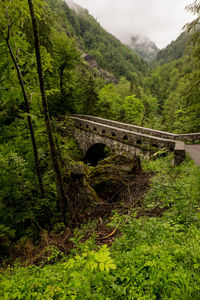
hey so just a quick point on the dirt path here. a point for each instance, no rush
(194, 152)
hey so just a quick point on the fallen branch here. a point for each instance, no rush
(111, 234)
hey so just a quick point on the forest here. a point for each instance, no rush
(126, 228)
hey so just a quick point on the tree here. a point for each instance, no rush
(65, 55)
(90, 96)
(11, 14)
(194, 26)
(134, 110)
(109, 102)
(62, 197)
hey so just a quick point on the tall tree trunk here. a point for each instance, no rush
(37, 165)
(61, 77)
(59, 182)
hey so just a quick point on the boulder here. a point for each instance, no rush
(113, 175)
(82, 196)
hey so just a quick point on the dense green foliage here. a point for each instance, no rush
(107, 50)
(174, 51)
(110, 54)
(23, 211)
(175, 85)
(119, 103)
(154, 257)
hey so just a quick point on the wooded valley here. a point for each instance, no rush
(125, 227)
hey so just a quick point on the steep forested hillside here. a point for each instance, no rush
(175, 83)
(109, 52)
(175, 50)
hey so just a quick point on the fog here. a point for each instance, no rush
(159, 20)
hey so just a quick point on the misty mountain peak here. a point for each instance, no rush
(73, 5)
(143, 46)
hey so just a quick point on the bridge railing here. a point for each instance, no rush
(138, 140)
(191, 137)
(124, 135)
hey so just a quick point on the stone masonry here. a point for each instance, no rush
(125, 138)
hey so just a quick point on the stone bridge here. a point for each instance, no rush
(124, 138)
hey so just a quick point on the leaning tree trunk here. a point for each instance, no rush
(37, 165)
(59, 182)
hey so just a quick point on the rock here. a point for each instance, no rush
(128, 164)
(80, 170)
(82, 196)
(108, 77)
(112, 175)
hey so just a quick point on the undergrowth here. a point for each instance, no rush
(154, 258)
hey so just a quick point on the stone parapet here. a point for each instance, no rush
(135, 139)
(190, 137)
(117, 136)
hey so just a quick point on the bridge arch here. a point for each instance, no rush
(87, 139)
(96, 152)
(125, 138)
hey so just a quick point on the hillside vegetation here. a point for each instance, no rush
(110, 54)
(175, 50)
(153, 257)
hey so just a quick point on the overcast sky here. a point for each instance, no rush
(159, 20)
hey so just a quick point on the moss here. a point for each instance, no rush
(113, 174)
(82, 197)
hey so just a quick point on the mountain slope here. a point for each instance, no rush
(175, 84)
(144, 47)
(175, 50)
(108, 51)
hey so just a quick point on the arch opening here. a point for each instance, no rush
(96, 153)
(125, 138)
